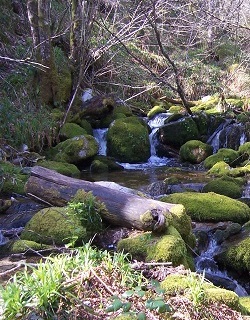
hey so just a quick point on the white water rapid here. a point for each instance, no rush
(205, 262)
(100, 136)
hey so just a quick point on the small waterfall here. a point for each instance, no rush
(3, 240)
(158, 120)
(205, 262)
(228, 135)
(100, 136)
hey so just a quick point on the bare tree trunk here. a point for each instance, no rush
(33, 20)
(39, 18)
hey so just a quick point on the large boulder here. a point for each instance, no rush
(147, 246)
(54, 226)
(70, 130)
(128, 140)
(187, 284)
(195, 151)
(236, 257)
(210, 207)
(67, 169)
(176, 133)
(229, 156)
(75, 150)
(227, 186)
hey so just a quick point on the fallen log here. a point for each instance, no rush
(124, 209)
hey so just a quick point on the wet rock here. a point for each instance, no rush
(157, 188)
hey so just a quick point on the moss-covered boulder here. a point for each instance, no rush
(155, 110)
(67, 169)
(147, 246)
(227, 186)
(55, 225)
(105, 164)
(20, 246)
(70, 130)
(210, 206)
(195, 151)
(177, 284)
(181, 221)
(128, 140)
(245, 305)
(244, 151)
(176, 133)
(12, 179)
(221, 168)
(236, 257)
(83, 123)
(202, 121)
(119, 112)
(229, 156)
(75, 150)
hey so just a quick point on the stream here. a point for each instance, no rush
(157, 169)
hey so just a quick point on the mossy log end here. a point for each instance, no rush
(124, 209)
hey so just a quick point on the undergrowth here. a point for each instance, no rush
(92, 284)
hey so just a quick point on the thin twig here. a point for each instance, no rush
(102, 282)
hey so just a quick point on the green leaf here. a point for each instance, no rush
(141, 316)
(157, 304)
(128, 293)
(117, 304)
(126, 306)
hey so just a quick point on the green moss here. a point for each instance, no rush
(195, 151)
(83, 123)
(168, 248)
(229, 156)
(71, 130)
(245, 305)
(182, 222)
(66, 169)
(108, 162)
(155, 110)
(174, 284)
(128, 140)
(75, 150)
(11, 178)
(176, 109)
(99, 166)
(220, 168)
(210, 206)
(19, 246)
(209, 105)
(54, 226)
(223, 296)
(136, 246)
(223, 169)
(179, 284)
(178, 132)
(202, 121)
(226, 186)
(150, 247)
(63, 74)
(236, 257)
(16, 184)
(244, 149)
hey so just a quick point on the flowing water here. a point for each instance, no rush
(205, 263)
(139, 176)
